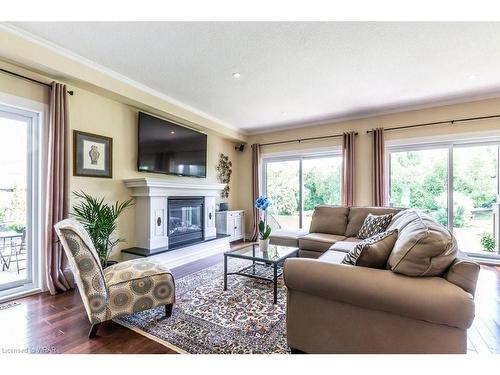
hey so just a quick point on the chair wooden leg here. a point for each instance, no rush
(93, 330)
(168, 310)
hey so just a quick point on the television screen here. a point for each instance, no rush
(165, 147)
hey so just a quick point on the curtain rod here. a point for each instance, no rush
(303, 139)
(451, 122)
(29, 79)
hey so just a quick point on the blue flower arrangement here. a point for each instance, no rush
(262, 203)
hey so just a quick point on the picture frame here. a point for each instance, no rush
(92, 155)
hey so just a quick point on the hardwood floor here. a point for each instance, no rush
(484, 335)
(58, 324)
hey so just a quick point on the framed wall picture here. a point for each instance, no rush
(92, 155)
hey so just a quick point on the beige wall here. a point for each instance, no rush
(97, 114)
(363, 192)
(94, 112)
(42, 59)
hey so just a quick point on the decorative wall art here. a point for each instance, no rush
(224, 172)
(92, 155)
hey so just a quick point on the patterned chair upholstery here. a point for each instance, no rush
(121, 289)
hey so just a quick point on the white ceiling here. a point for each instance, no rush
(292, 73)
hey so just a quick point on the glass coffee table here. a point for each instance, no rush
(266, 265)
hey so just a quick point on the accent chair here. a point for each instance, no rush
(124, 288)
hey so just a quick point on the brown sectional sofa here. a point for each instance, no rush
(329, 225)
(423, 302)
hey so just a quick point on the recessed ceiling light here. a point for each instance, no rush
(172, 132)
(284, 113)
(473, 76)
(236, 75)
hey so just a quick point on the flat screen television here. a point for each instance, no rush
(165, 147)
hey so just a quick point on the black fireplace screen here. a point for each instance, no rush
(185, 220)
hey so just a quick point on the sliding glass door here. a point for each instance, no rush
(296, 184)
(475, 191)
(321, 184)
(18, 200)
(283, 190)
(457, 183)
(419, 179)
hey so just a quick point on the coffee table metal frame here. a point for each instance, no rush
(257, 261)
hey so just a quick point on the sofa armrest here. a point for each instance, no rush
(431, 299)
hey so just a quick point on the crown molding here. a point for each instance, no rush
(380, 112)
(271, 128)
(4, 26)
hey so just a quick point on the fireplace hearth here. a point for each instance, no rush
(185, 220)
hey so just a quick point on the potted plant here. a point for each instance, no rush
(262, 204)
(488, 242)
(100, 221)
(17, 227)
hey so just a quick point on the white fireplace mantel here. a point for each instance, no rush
(151, 208)
(157, 187)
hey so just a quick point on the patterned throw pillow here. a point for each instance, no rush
(372, 252)
(374, 224)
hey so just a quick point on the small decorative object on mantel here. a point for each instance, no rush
(224, 172)
(262, 203)
(92, 155)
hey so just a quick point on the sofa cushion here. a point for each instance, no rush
(353, 239)
(401, 219)
(318, 241)
(357, 216)
(309, 254)
(285, 237)
(331, 256)
(374, 224)
(329, 219)
(372, 252)
(423, 247)
(345, 246)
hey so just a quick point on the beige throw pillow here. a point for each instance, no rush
(423, 248)
(372, 252)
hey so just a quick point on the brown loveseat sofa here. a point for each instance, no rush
(421, 303)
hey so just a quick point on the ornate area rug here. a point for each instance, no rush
(207, 320)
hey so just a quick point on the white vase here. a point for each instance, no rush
(263, 244)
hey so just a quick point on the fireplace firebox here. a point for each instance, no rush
(185, 220)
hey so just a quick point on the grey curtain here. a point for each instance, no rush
(348, 150)
(58, 276)
(378, 167)
(256, 168)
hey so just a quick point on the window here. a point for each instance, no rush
(19, 199)
(457, 183)
(297, 184)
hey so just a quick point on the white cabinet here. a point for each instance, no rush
(231, 223)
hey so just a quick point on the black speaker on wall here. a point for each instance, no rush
(240, 147)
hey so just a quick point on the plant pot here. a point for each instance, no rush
(264, 244)
(110, 263)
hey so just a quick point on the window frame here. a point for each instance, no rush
(299, 156)
(33, 113)
(449, 144)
